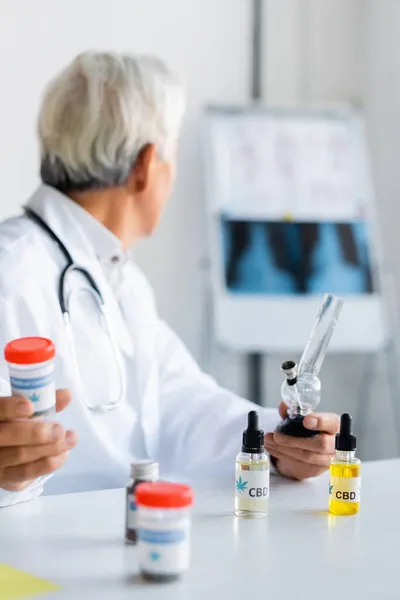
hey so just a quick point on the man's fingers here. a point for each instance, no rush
(63, 398)
(283, 410)
(322, 443)
(15, 407)
(297, 470)
(34, 470)
(27, 433)
(13, 456)
(14, 486)
(326, 422)
(303, 456)
(18, 407)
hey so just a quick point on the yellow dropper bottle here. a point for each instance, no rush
(345, 472)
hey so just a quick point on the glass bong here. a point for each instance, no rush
(301, 390)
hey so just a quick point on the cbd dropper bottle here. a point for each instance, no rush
(252, 472)
(345, 471)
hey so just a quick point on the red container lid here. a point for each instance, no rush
(164, 495)
(29, 350)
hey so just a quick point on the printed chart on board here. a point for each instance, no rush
(277, 166)
(288, 195)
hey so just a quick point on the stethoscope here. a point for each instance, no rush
(94, 290)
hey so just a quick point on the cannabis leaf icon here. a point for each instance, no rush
(154, 555)
(34, 397)
(241, 485)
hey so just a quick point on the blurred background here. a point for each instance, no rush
(313, 52)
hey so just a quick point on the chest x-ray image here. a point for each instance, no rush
(283, 258)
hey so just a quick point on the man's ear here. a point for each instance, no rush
(142, 170)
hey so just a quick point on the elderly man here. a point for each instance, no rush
(108, 132)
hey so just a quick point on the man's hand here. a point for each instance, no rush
(300, 458)
(30, 448)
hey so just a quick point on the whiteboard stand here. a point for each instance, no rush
(259, 324)
(255, 359)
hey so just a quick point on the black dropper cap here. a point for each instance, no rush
(345, 440)
(253, 437)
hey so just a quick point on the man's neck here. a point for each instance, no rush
(114, 208)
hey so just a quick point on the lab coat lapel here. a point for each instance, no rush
(117, 322)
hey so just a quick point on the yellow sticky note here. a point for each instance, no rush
(16, 584)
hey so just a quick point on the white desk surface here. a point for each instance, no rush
(298, 551)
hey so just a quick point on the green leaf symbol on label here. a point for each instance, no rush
(154, 555)
(330, 489)
(241, 485)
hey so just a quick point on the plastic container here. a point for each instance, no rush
(31, 367)
(164, 519)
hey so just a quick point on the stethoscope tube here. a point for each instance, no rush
(71, 267)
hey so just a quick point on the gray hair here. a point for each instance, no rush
(99, 112)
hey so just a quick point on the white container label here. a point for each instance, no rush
(164, 550)
(132, 512)
(36, 384)
(253, 486)
(345, 489)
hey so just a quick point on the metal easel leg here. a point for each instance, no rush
(255, 379)
(255, 360)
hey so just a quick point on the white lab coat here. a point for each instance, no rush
(172, 411)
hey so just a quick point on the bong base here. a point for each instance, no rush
(294, 426)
